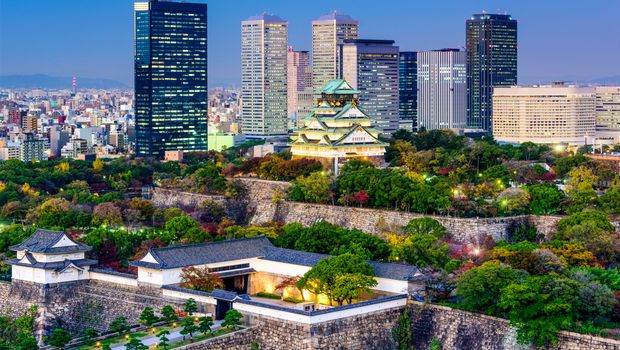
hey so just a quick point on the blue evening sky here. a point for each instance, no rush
(558, 39)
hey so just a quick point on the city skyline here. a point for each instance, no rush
(45, 43)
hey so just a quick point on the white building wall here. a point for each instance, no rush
(98, 276)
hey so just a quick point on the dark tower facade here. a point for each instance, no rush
(491, 46)
(408, 90)
(171, 97)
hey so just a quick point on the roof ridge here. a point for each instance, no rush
(170, 247)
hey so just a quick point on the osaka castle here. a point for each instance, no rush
(338, 130)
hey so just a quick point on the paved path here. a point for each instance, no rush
(174, 336)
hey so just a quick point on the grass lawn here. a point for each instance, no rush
(213, 334)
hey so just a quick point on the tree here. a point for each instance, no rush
(180, 225)
(169, 314)
(609, 201)
(119, 325)
(540, 306)
(425, 226)
(314, 188)
(135, 344)
(349, 286)
(59, 338)
(480, 287)
(546, 199)
(163, 339)
(190, 306)
(423, 251)
(107, 214)
(89, 334)
(188, 327)
(595, 300)
(26, 343)
(232, 319)
(200, 279)
(513, 201)
(290, 281)
(147, 317)
(402, 334)
(321, 278)
(205, 324)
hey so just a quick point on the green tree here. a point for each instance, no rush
(119, 325)
(480, 288)
(147, 317)
(425, 226)
(423, 251)
(190, 306)
(180, 225)
(321, 278)
(59, 338)
(188, 327)
(232, 319)
(610, 201)
(135, 344)
(26, 343)
(163, 339)
(314, 188)
(169, 314)
(89, 334)
(205, 324)
(349, 286)
(546, 199)
(540, 307)
(402, 333)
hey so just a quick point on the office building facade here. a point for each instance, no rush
(328, 32)
(408, 90)
(442, 89)
(553, 114)
(608, 112)
(171, 102)
(491, 46)
(371, 66)
(299, 85)
(264, 46)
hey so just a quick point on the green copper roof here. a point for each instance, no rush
(338, 87)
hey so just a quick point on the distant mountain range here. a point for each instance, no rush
(43, 81)
(614, 80)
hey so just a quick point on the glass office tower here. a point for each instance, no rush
(171, 101)
(408, 90)
(491, 46)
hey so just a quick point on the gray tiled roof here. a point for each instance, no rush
(58, 265)
(206, 253)
(255, 247)
(42, 241)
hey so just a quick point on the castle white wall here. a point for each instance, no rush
(98, 276)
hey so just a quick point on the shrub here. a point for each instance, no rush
(268, 295)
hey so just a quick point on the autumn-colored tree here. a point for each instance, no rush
(361, 197)
(200, 279)
(98, 165)
(107, 214)
(288, 282)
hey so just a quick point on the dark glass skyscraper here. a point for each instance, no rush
(408, 89)
(171, 101)
(491, 61)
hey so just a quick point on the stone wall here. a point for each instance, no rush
(460, 330)
(239, 340)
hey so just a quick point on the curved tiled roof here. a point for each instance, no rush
(255, 247)
(43, 241)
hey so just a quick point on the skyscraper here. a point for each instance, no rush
(408, 90)
(491, 42)
(371, 66)
(442, 89)
(608, 112)
(170, 77)
(328, 32)
(299, 84)
(264, 46)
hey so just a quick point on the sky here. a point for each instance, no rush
(558, 39)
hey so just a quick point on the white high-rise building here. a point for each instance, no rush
(551, 114)
(442, 89)
(371, 66)
(608, 113)
(264, 42)
(328, 32)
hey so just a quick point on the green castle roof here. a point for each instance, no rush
(337, 87)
